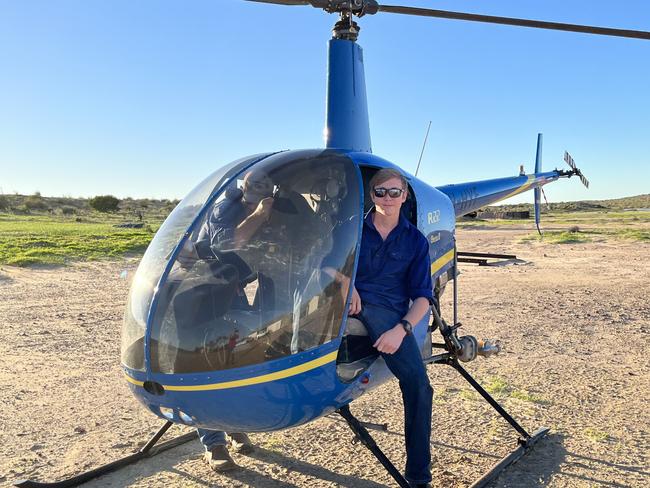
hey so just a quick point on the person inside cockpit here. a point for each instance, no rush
(231, 224)
(239, 215)
(229, 229)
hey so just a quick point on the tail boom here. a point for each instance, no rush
(469, 197)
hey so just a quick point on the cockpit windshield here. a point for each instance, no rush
(262, 274)
(157, 255)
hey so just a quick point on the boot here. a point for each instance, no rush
(219, 460)
(241, 443)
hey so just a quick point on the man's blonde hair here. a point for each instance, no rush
(386, 174)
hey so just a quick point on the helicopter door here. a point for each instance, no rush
(256, 277)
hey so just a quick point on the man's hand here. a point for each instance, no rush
(187, 255)
(263, 209)
(391, 340)
(355, 302)
(254, 221)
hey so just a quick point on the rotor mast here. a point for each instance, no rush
(346, 117)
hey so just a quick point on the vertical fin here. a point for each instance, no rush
(538, 191)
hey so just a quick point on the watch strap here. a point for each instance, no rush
(408, 327)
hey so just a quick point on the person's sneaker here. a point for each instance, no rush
(241, 443)
(219, 460)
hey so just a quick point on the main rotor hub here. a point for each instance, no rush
(355, 7)
(346, 28)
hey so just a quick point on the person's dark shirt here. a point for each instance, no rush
(220, 227)
(394, 271)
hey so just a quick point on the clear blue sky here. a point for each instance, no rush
(145, 98)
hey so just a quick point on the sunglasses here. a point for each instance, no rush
(380, 192)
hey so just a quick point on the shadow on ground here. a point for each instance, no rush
(550, 460)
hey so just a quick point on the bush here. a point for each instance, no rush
(4, 202)
(104, 203)
(68, 210)
(35, 202)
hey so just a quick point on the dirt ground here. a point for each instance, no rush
(574, 321)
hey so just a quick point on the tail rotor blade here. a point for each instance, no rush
(569, 160)
(574, 169)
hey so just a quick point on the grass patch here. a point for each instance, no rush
(567, 237)
(554, 237)
(528, 397)
(440, 396)
(468, 395)
(596, 435)
(635, 235)
(27, 240)
(496, 386)
(274, 443)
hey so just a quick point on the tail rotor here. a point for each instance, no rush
(574, 169)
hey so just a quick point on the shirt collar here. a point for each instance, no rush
(401, 223)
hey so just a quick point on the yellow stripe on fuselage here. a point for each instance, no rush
(440, 262)
(255, 380)
(133, 380)
(524, 187)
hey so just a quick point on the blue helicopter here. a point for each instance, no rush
(251, 334)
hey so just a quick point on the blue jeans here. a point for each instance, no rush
(211, 438)
(407, 366)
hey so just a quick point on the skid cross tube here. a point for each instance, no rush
(366, 439)
(147, 450)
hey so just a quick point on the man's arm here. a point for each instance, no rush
(245, 230)
(344, 282)
(391, 340)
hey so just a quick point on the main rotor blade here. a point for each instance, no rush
(283, 2)
(491, 19)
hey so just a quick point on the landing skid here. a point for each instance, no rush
(148, 450)
(525, 441)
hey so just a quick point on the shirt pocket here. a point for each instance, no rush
(397, 263)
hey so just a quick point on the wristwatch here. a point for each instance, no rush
(408, 327)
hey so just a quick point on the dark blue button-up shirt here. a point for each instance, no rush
(394, 271)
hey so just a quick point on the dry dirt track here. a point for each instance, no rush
(575, 323)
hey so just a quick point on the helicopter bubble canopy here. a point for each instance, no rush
(243, 271)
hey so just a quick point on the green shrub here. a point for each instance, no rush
(68, 210)
(4, 202)
(35, 202)
(104, 203)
